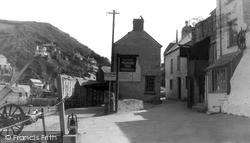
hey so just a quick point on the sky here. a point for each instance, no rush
(88, 21)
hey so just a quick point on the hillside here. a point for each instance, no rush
(18, 42)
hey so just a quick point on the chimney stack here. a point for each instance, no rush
(138, 24)
(176, 37)
(185, 30)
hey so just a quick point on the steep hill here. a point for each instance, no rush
(18, 42)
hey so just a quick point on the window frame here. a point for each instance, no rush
(171, 66)
(232, 34)
(178, 63)
(150, 83)
(171, 84)
(215, 83)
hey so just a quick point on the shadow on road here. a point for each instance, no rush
(172, 122)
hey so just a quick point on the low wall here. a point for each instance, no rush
(41, 101)
(215, 101)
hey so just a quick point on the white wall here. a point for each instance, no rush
(173, 94)
(238, 101)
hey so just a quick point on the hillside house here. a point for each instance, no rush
(228, 79)
(17, 95)
(5, 69)
(36, 86)
(139, 64)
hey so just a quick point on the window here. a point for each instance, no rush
(150, 84)
(171, 83)
(212, 53)
(178, 63)
(232, 33)
(219, 80)
(171, 64)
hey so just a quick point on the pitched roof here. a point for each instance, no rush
(106, 69)
(17, 89)
(36, 80)
(183, 41)
(80, 80)
(223, 60)
(170, 45)
(133, 38)
(25, 87)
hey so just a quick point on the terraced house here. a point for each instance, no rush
(228, 79)
(176, 66)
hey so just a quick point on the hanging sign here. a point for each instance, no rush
(127, 63)
(66, 85)
(111, 76)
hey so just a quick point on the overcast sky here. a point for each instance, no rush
(89, 23)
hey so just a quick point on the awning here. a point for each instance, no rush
(224, 60)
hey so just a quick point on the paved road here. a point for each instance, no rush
(170, 122)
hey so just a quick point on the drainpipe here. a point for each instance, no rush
(220, 28)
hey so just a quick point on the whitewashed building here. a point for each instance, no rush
(176, 70)
(228, 78)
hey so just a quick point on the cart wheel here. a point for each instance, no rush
(241, 39)
(11, 114)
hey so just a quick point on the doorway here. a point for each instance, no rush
(179, 87)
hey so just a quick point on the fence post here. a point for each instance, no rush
(61, 106)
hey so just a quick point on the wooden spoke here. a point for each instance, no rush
(11, 114)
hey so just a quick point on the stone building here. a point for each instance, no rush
(139, 64)
(228, 79)
(176, 71)
(203, 42)
(176, 67)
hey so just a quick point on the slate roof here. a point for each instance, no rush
(223, 60)
(106, 69)
(25, 87)
(136, 37)
(36, 80)
(170, 45)
(185, 40)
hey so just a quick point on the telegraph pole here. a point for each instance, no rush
(113, 32)
(112, 57)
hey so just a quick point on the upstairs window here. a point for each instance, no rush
(171, 66)
(178, 63)
(232, 32)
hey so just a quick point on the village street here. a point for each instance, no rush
(170, 122)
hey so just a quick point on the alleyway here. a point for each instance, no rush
(170, 122)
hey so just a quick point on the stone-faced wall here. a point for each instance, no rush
(149, 63)
(230, 11)
(148, 51)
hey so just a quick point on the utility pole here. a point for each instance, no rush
(113, 32)
(112, 58)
